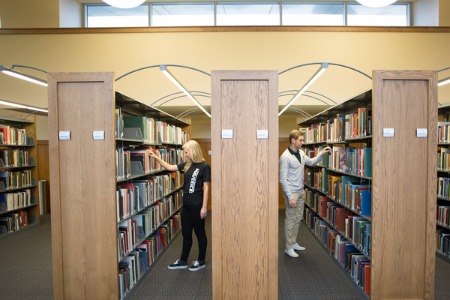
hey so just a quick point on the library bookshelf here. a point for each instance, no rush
(245, 125)
(338, 189)
(19, 201)
(389, 245)
(114, 210)
(443, 180)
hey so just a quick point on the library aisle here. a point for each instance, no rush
(26, 271)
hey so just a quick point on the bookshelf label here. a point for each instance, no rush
(98, 135)
(421, 132)
(388, 132)
(64, 135)
(262, 134)
(227, 133)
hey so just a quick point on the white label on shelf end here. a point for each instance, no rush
(388, 132)
(64, 135)
(227, 133)
(262, 134)
(422, 132)
(98, 135)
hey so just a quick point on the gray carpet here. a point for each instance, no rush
(26, 271)
(26, 263)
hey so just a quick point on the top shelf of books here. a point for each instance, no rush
(362, 100)
(133, 107)
(12, 120)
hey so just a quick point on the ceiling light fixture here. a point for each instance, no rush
(444, 81)
(163, 69)
(17, 105)
(318, 73)
(124, 3)
(376, 3)
(17, 74)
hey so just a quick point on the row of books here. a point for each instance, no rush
(353, 227)
(312, 152)
(123, 163)
(14, 157)
(443, 132)
(351, 160)
(443, 215)
(134, 162)
(14, 201)
(132, 231)
(443, 157)
(13, 221)
(443, 241)
(149, 130)
(171, 155)
(144, 128)
(359, 123)
(355, 161)
(443, 187)
(443, 211)
(343, 250)
(15, 180)
(136, 195)
(353, 193)
(138, 262)
(357, 264)
(10, 135)
(141, 156)
(131, 162)
(342, 127)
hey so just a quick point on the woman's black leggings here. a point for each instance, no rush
(190, 220)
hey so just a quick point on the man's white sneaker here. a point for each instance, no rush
(297, 247)
(291, 252)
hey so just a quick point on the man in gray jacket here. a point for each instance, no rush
(292, 165)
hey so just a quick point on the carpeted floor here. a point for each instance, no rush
(26, 271)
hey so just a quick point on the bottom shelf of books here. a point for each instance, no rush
(144, 237)
(346, 238)
(443, 227)
(18, 210)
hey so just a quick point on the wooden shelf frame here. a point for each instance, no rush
(84, 184)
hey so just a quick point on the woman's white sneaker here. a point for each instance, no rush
(197, 265)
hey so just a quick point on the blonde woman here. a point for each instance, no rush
(197, 179)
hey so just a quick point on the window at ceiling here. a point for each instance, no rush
(247, 14)
(182, 14)
(393, 15)
(244, 14)
(307, 14)
(109, 16)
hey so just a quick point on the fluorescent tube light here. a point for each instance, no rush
(166, 72)
(17, 105)
(124, 3)
(444, 81)
(376, 3)
(319, 72)
(22, 76)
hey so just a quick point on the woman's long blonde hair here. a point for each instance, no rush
(196, 153)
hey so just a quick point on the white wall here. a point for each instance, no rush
(426, 12)
(29, 13)
(70, 14)
(41, 128)
(250, 50)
